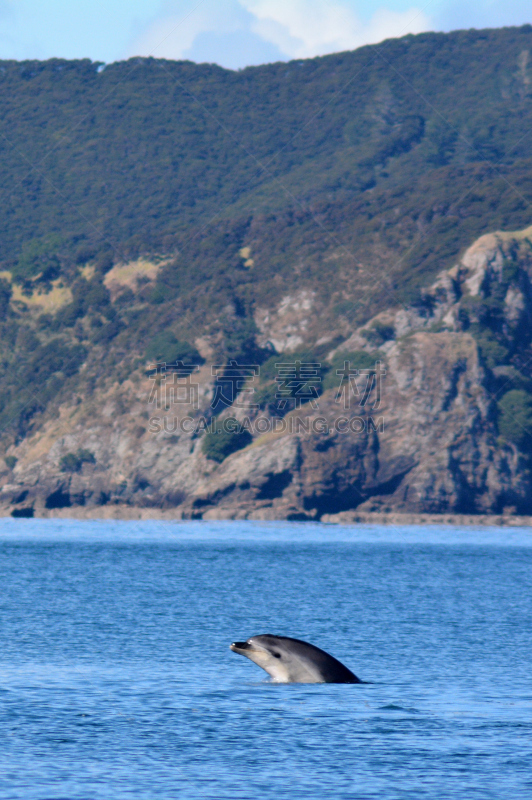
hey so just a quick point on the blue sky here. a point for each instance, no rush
(233, 33)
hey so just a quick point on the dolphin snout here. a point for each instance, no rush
(239, 646)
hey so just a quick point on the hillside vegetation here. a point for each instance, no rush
(357, 176)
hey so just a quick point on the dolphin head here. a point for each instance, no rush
(267, 652)
(293, 661)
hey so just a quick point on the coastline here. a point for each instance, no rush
(132, 513)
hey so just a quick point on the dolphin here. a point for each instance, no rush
(293, 661)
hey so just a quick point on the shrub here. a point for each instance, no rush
(83, 254)
(379, 333)
(510, 271)
(239, 341)
(280, 396)
(515, 418)
(104, 261)
(265, 398)
(269, 371)
(105, 333)
(491, 350)
(165, 348)
(159, 294)
(486, 312)
(56, 356)
(73, 462)
(10, 461)
(5, 296)
(38, 257)
(86, 456)
(70, 463)
(97, 295)
(225, 438)
(69, 314)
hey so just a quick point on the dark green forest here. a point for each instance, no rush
(359, 175)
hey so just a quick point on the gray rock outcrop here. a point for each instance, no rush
(428, 444)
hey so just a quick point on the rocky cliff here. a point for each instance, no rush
(419, 432)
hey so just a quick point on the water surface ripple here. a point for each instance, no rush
(116, 680)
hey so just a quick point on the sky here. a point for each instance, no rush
(232, 33)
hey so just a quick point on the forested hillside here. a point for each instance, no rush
(156, 210)
(131, 155)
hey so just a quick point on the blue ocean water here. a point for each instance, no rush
(116, 680)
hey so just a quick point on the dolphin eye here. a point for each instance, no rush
(276, 655)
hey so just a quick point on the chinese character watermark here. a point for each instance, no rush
(296, 385)
(172, 385)
(232, 384)
(298, 382)
(349, 388)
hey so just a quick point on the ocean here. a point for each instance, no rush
(116, 678)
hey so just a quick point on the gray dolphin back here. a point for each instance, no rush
(330, 669)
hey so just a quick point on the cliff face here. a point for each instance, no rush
(421, 437)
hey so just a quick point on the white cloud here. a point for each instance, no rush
(178, 24)
(305, 28)
(168, 36)
(216, 31)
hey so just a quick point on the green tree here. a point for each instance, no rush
(73, 462)
(166, 348)
(226, 437)
(5, 296)
(38, 258)
(515, 418)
